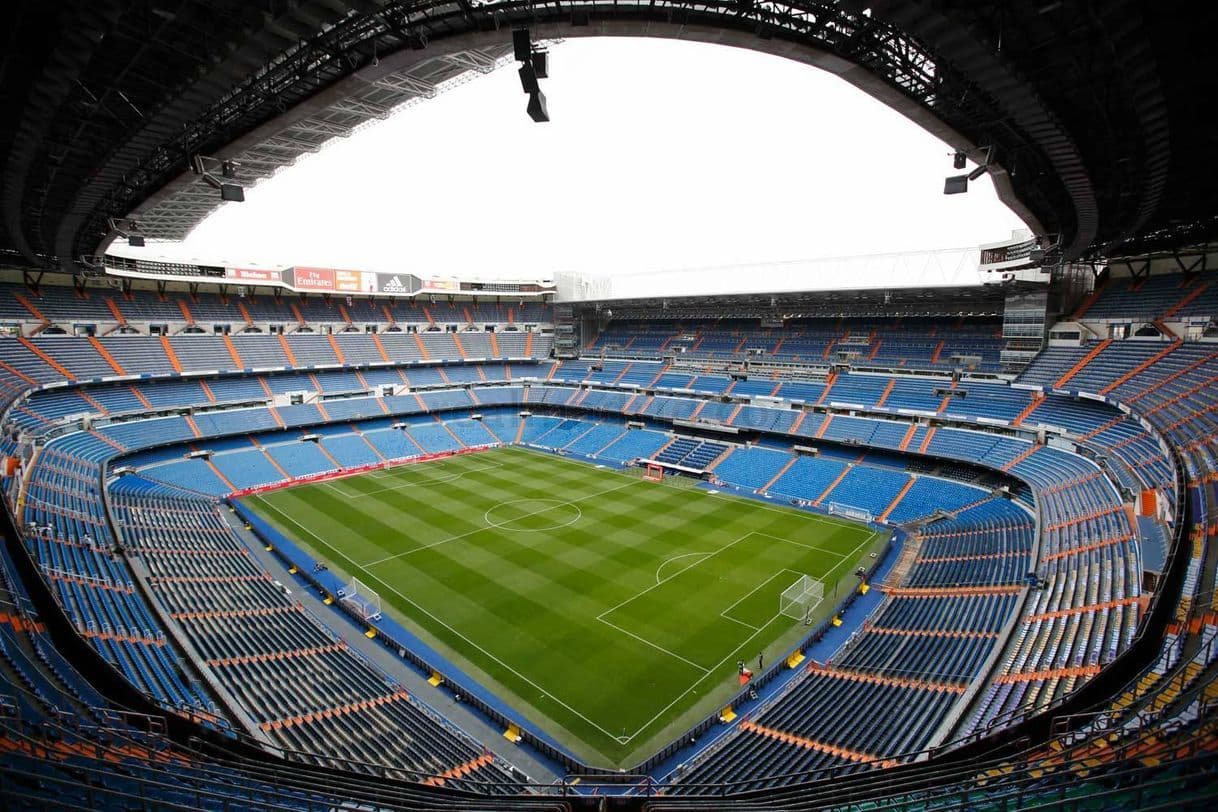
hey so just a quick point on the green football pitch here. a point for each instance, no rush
(611, 611)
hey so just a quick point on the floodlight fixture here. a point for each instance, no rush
(229, 192)
(522, 45)
(207, 168)
(534, 65)
(128, 229)
(528, 79)
(958, 184)
(537, 107)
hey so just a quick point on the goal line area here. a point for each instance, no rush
(659, 475)
(801, 598)
(738, 584)
(361, 599)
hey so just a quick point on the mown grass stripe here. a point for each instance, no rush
(519, 607)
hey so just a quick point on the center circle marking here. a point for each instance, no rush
(550, 514)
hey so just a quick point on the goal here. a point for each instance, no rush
(360, 599)
(850, 512)
(654, 473)
(800, 598)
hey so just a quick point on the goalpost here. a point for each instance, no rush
(362, 600)
(800, 598)
(850, 512)
(654, 473)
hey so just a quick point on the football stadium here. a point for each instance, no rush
(925, 529)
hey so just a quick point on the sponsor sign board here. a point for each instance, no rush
(393, 283)
(312, 279)
(355, 282)
(263, 276)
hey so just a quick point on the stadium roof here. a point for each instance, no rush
(978, 300)
(1093, 110)
(928, 271)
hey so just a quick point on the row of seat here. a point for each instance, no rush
(1175, 394)
(913, 658)
(910, 343)
(572, 431)
(691, 453)
(66, 305)
(120, 354)
(304, 687)
(1153, 297)
(1009, 451)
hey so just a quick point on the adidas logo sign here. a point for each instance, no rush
(394, 285)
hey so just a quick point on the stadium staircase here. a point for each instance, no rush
(1082, 363)
(1090, 300)
(1142, 367)
(1195, 293)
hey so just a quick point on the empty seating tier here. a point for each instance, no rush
(950, 611)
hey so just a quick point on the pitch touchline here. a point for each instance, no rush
(760, 629)
(807, 514)
(705, 671)
(698, 681)
(439, 480)
(548, 694)
(799, 544)
(490, 526)
(395, 471)
(655, 646)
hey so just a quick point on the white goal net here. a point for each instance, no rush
(360, 599)
(850, 512)
(800, 598)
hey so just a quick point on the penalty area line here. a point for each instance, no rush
(699, 681)
(724, 613)
(655, 646)
(667, 561)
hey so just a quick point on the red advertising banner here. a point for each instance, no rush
(255, 275)
(328, 280)
(313, 278)
(343, 473)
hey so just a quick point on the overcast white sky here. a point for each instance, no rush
(660, 155)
